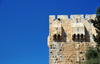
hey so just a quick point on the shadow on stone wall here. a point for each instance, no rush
(61, 38)
(86, 39)
(87, 36)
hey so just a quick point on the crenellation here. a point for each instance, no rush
(90, 16)
(69, 38)
(52, 17)
(74, 17)
(65, 17)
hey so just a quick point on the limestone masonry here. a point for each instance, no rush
(69, 38)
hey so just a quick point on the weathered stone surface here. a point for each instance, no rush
(69, 38)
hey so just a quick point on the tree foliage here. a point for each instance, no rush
(93, 54)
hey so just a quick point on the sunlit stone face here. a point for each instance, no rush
(69, 38)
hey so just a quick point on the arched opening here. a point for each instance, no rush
(74, 36)
(54, 36)
(58, 36)
(78, 36)
(81, 36)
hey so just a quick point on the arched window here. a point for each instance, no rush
(54, 36)
(58, 36)
(81, 36)
(74, 36)
(78, 36)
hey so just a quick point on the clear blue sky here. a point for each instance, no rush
(24, 27)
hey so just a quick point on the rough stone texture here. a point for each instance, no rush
(69, 38)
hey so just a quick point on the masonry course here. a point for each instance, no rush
(69, 38)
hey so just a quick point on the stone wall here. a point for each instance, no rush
(69, 38)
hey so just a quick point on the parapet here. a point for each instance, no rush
(90, 16)
(76, 16)
(78, 28)
(51, 17)
(81, 16)
(65, 17)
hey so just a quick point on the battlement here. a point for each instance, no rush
(69, 38)
(74, 17)
(90, 16)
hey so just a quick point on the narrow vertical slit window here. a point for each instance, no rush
(78, 36)
(58, 36)
(74, 36)
(54, 36)
(81, 36)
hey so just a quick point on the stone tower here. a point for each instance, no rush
(69, 38)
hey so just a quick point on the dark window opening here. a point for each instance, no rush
(81, 36)
(58, 36)
(54, 36)
(74, 36)
(78, 36)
